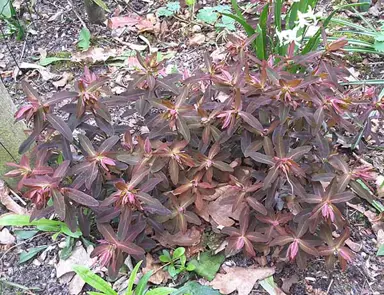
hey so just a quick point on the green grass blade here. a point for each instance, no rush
(314, 40)
(132, 278)
(362, 50)
(365, 82)
(349, 24)
(369, 34)
(143, 283)
(261, 39)
(350, 42)
(277, 8)
(364, 19)
(247, 27)
(292, 15)
(237, 9)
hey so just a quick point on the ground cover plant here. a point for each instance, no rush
(255, 137)
(268, 141)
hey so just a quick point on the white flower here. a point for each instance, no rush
(308, 18)
(287, 36)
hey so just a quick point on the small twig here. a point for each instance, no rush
(329, 286)
(77, 15)
(23, 51)
(17, 197)
(161, 267)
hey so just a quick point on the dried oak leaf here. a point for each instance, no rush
(122, 21)
(221, 209)
(94, 55)
(288, 282)
(240, 279)
(6, 238)
(159, 276)
(8, 202)
(190, 238)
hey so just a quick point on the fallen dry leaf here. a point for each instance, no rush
(221, 209)
(8, 202)
(159, 275)
(79, 256)
(93, 55)
(45, 74)
(67, 77)
(197, 39)
(288, 282)
(6, 238)
(122, 21)
(190, 238)
(64, 268)
(240, 279)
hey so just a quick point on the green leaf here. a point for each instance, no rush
(102, 4)
(25, 234)
(49, 228)
(93, 280)
(237, 9)
(23, 220)
(172, 271)
(207, 15)
(261, 39)
(380, 252)
(178, 253)
(190, 2)
(378, 206)
(140, 288)
(66, 252)
(25, 256)
(164, 258)
(227, 23)
(247, 27)
(365, 8)
(50, 60)
(84, 39)
(379, 46)
(162, 11)
(173, 6)
(194, 288)
(269, 285)
(160, 291)
(277, 9)
(208, 265)
(95, 293)
(5, 8)
(361, 82)
(132, 278)
(65, 230)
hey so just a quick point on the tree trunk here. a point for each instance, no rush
(11, 133)
(95, 13)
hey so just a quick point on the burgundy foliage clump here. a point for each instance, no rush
(259, 135)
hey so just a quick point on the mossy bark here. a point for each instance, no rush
(96, 14)
(11, 133)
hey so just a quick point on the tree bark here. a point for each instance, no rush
(11, 133)
(96, 14)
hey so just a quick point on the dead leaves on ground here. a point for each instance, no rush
(240, 279)
(159, 276)
(191, 237)
(8, 202)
